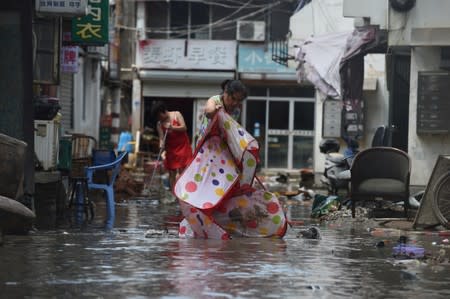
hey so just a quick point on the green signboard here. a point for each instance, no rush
(92, 29)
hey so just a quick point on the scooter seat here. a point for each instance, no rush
(344, 175)
(336, 158)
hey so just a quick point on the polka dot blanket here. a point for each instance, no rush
(217, 192)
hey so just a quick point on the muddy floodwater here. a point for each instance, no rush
(127, 263)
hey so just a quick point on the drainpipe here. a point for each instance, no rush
(136, 97)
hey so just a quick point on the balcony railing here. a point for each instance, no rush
(280, 52)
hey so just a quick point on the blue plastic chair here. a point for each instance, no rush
(114, 167)
(100, 156)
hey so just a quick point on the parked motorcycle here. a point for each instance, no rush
(336, 175)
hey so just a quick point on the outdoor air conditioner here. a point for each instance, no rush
(254, 31)
(46, 142)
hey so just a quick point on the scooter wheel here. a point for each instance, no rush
(441, 200)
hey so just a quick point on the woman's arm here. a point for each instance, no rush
(211, 108)
(160, 134)
(182, 125)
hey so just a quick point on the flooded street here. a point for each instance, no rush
(124, 263)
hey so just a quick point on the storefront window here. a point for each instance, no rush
(256, 123)
(277, 151)
(302, 152)
(303, 116)
(279, 115)
(286, 125)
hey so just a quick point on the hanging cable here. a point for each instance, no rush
(223, 23)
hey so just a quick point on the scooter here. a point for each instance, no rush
(336, 175)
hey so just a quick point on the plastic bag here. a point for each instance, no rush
(322, 205)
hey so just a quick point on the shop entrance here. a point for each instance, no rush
(184, 105)
(284, 128)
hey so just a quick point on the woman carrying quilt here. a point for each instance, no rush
(216, 192)
(231, 98)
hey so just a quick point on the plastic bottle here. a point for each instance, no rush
(256, 130)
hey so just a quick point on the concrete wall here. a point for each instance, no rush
(427, 23)
(376, 10)
(87, 97)
(319, 17)
(423, 148)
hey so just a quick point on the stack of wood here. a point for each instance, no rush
(127, 184)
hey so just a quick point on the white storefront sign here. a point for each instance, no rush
(187, 54)
(62, 7)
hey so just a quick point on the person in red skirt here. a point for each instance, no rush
(174, 139)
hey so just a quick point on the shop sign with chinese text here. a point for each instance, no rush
(183, 54)
(68, 8)
(92, 29)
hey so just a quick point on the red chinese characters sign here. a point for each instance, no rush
(92, 29)
(69, 59)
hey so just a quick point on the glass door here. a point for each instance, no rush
(256, 124)
(284, 128)
(278, 134)
(303, 134)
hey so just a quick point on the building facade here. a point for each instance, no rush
(186, 49)
(323, 20)
(418, 75)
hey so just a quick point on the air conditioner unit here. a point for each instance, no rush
(254, 31)
(46, 142)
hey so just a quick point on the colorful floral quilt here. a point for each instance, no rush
(216, 191)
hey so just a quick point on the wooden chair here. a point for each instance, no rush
(380, 172)
(82, 148)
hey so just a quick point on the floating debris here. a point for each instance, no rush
(160, 233)
(310, 233)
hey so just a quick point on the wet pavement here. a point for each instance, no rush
(89, 262)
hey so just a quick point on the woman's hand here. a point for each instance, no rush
(167, 125)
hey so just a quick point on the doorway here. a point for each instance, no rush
(399, 100)
(184, 105)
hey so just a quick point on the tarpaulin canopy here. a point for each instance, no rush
(333, 62)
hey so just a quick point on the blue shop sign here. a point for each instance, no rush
(255, 59)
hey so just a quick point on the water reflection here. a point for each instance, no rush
(92, 263)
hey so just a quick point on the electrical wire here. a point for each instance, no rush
(223, 23)
(237, 3)
(219, 25)
(301, 4)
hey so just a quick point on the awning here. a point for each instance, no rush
(185, 76)
(333, 62)
(268, 76)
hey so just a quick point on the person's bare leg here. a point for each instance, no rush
(172, 178)
(179, 172)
